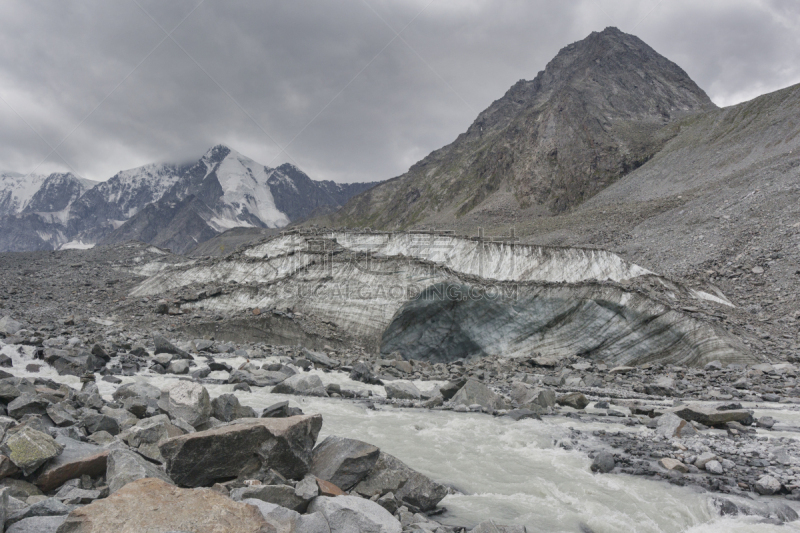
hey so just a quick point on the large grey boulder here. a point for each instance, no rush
(77, 459)
(164, 346)
(392, 475)
(37, 524)
(319, 358)
(147, 434)
(712, 417)
(344, 462)
(227, 408)
(474, 392)
(9, 326)
(125, 466)
(401, 390)
(287, 521)
(256, 378)
(137, 390)
(188, 401)
(348, 514)
(576, 400)
(283, 495)
(29, 449)
(301, 384)
(528, 397)
(490, 527)
(27, 404)
(669, 425)
(244, 447)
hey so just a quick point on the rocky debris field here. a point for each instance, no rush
(85, 449)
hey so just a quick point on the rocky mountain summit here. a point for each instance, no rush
(177, 206)
(600, 109)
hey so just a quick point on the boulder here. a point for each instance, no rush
(27, 404)
(124, 467)
(362, 372)
(603, 462)
(153, 505)
(670, 425)
(9, 326)
(164, 346)
(181, 366)
(288, 521)
(29, 449)
(449, 389)
(528, 397)
(673, 464)
(147, 434)
(283, 495)
(576, 400)
(77, 459)
(346, 514)
(63, 414)
(474, 392)
(257, 378)
(281, 410)
(344, 462)
(319, 358)
(401, 390)
(37, 524)
(712, 417)
(188, 401)
(767, 485)
(490, 527)
(301, 384)
(244, 447)
(392, 475)
(137, 390)
(227, 408)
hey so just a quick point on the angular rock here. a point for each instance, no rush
(37, 524)
(474, 392)
(63, 414)
(153, 505)
(124, 467)
(673, 464)
(29, 449)
(392, 475)
(449, 389)
(670, 425)
(767, 485)
(344, 462)
(164, 346)
(147, 434)
(246, 446)
(137, 390)
(288, 521)
(189, 401)
(348, 514)
(714, 467)
(9, 326)
(178, 367)
(259, 378)
(711, 417)
(283, 495)
(27, 404)
(301, 384)
(77, 459)
(227, 408)
(319, 358)
(490, 527)
(576, 400)
(401, 390)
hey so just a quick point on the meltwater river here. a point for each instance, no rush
(512, 472)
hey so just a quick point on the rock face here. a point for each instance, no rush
(152, 505)
(392, 475)
(536, 146)
(344, 462)
(244, 447)
(347, 514)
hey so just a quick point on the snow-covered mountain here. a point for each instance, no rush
(169, 205)
(16, 190)
(225, 190)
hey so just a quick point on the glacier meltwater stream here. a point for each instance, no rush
(511, 472)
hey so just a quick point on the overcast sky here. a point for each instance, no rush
(349, 90)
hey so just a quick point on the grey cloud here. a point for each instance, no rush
(285, 63)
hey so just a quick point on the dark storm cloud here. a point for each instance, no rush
(327, 85)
